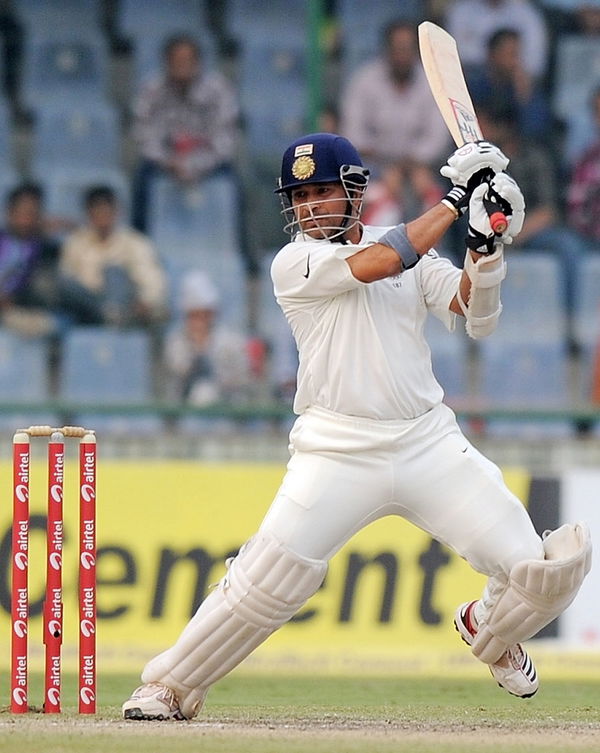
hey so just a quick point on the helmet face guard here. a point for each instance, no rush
(323, 158)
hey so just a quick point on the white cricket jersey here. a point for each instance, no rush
(361, 346)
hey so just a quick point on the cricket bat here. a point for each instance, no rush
(443, 69)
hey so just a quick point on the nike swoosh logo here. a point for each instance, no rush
(307, 267)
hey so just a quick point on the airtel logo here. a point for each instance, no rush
(54, 628)
(56, 492)
(20, 628)
(22, 493)
(55, 561)
(21, 560)
(87, 695)
(88, 560)
(20, 696)
(54, 696)
(88, 493)
(87, 628)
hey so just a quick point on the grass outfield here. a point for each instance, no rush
(322, 714)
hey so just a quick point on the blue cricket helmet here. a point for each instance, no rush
(321, 158)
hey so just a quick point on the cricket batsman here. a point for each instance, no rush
(373, 436)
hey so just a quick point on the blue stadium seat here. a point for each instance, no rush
(103, 365)
(586, 322)
(274, 91)
(577, 73)
(450, 360)
(64, 189)
(70, 67)
(24, 362)
(6, 136)
(194, 224)
(106, 365)
(361, 27)
(532, 299)
(81, 136)
(281, 21)
(156, 17)
(522, 375)
(226, 270)
(48, 17)
(273, 327)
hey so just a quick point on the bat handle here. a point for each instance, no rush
(497, 217)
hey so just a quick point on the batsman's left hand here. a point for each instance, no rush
(503, 191)
(473, 163)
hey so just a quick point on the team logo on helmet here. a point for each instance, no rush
(303, 167)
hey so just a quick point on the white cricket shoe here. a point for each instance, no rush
(152, 702)
(514, 671)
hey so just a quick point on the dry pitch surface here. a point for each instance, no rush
(318, 715)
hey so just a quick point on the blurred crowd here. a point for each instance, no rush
(140, 144)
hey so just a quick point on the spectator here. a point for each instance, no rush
(583, 198)
(111, 274)
(504, 80)
(533, 168)
(185, 123)
(387, 109)
(28, 266)
(205, 362)
(473, 22)
(582, 131)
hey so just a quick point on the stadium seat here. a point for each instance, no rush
(274, 329)
(135, 18)
(586, 323)
(361, 28)
(82, 136)
(100, 365)
(577, 73)
(64, 189)
(279, 20)
(450, 360)
(274, 92)
(532, 299)
(47, 17)
(226, 270)
(24, 378)
(24, 374)
(522, 375)
(6, 136)
(70, 67)
(194, 224)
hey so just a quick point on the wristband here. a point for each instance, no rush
(457, 199)
(397, 239)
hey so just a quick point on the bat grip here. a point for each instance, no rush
(497, 217)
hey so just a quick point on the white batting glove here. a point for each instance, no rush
(472, 158)
(506, 194)
(505, 191)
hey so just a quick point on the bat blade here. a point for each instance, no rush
(441, 63)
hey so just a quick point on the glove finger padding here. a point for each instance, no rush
(473, 158)
(505, 191)
(480, 236)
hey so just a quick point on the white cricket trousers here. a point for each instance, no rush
(346, 472)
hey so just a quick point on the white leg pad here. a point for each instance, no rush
(537, 591)
(266, 584)
(483, 307)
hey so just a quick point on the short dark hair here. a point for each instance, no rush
(99, 194)
(394, 25)
(500, 36)
(181, 38)
(32, 190)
